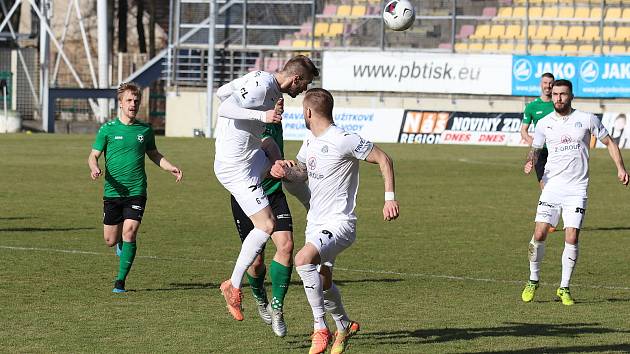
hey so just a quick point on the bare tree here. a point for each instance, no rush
(142, 43)
(122, 25)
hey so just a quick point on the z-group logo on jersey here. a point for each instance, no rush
(312, 162)
(565, 139)
(589, 71)
(522, 69)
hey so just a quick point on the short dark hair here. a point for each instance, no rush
(300, 65)
(320, 101)
(129, 86)
(563, 82)
(549, 75)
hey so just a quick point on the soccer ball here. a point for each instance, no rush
(399, 15)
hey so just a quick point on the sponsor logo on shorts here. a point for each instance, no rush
(580, 210)
(283, 216)
(136, 207)
(547, 204)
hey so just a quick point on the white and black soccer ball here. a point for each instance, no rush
(399, 15)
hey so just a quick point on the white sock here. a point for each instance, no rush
(334, 306)
(314, 293)
(251, 247)
(569, 259)
(536, 254)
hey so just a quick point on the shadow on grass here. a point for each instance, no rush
(197, 286)
(43, 229)
(17, 217)
(621, 348)
(441, 335)
(610, 228)
(183, 286)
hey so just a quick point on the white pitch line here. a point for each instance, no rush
(365, 271)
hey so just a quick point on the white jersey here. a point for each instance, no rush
(568, 141)
(238, 136)
(332, 162)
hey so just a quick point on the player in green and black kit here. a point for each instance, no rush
(282, 263)
(534, 111)
(125, 141)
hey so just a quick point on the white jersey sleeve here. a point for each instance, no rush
(301, 156)
(251, 93)
(597, 128)
(353, 145)
(539, 136)
(231, 109)
(226, 90)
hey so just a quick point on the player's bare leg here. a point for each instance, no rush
(113, 237)
(112, 234)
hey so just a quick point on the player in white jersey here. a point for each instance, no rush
(329, 159)
(567, 133)
(241, 162)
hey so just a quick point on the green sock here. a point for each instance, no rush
(126, 259)
(258, 286)
(280, 278)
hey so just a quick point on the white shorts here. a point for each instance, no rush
(552, 204)
(243, 181)
(331, 239)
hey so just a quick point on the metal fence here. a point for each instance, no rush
(263, 34)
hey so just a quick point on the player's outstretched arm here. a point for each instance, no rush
(95, 171)
(615, 154)
(164, 164)
(231, 110)
(391, 209)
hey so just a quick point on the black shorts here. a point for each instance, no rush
(116, 210)
(279, 206)
(540, 164)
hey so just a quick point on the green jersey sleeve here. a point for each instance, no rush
(151, 140)
(527, 116)
(101, 139)
(267, 133)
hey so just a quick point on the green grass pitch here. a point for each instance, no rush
(446, 277)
